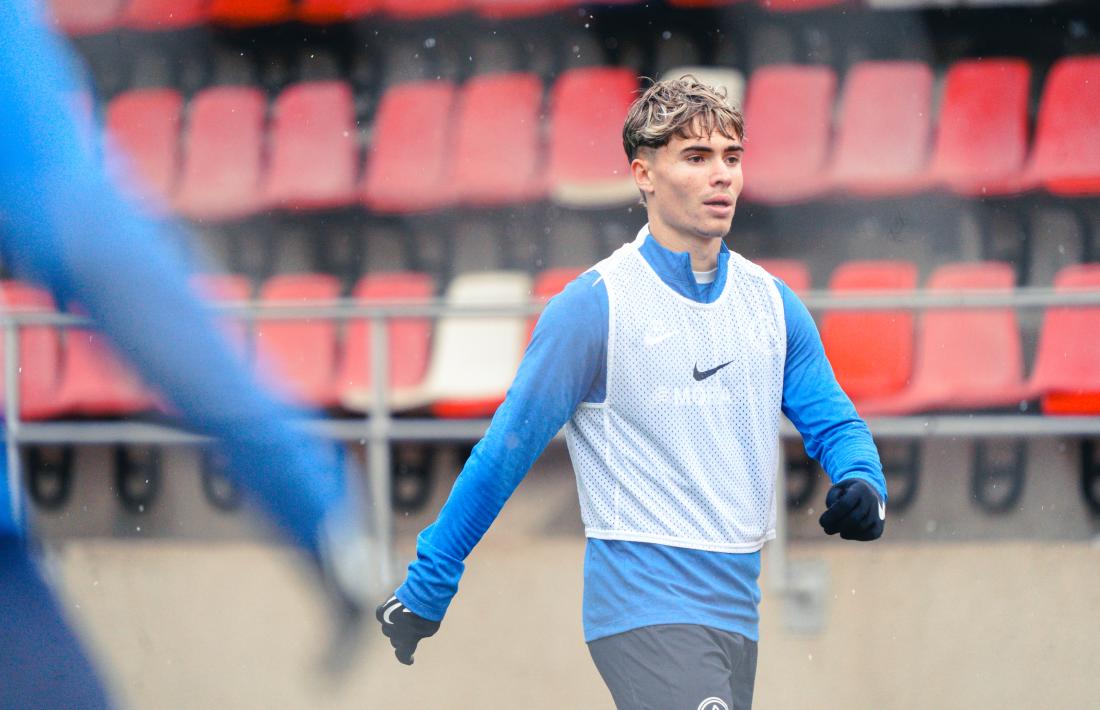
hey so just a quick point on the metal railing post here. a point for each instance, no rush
(378, 445)
(12, 423)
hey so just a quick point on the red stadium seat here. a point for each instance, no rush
(871, 351)
(967, 358)
(792, 272)
(325, 11)
(409, 341)
(81, 17)
(164, 14)
(789, 109)
(883, 134)
(95, 382)
(314, 147)
(981, 144)
(39, 353)
(548, 284)
(498, 115)
(421, 9)
(587, 164)
(1066, 153)
(507, 9)
(1067, 361)
(411, 117)
(223, 149)
(703, 3)
(298, 357)
(227, 288)
(251, 12)
(145, 125)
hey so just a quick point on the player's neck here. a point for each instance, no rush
(702, 250)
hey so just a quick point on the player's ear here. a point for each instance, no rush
(640, 169)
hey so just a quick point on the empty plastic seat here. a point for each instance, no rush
(703, 3)
(871, 351)
(409, 343)
(474, 359)
(314, 147)
(164, 14)
(324, 11)
(981, 142)
(251, 12)
(39, 353)
(223, 145)
(792, 272)
(967, 358)
(421, 9)
(81, 17)
(798, 5)
(789, 114)
(298, 357)
(882, 141)
(587, 164)
(94, 380)
(1066, 153)
(224, 289)
(729, 79)
(498, 115)
(407, 169)
(145, 126)
(1067, 361)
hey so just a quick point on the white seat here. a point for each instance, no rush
(475, 358)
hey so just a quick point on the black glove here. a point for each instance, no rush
(854, 509)
(403, 628)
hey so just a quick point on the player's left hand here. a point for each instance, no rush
(403, 628)
(854, 509)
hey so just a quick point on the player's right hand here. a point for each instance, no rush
(403, 628)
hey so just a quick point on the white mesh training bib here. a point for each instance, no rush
(683, 450)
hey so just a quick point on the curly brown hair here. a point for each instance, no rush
(682, 107)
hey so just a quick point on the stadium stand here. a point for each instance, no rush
(981, 142)
(298, 357)
(325, 11)
(510, 9)
(314, 150)
(421, 9)
(1067, 362)
(790, 110)
(39, 352)
(95, 382)
(497, 154)
(881, 147)
(1066, 149)
(250, 12)
(221, 289)
(474, 359)
(145, 126)
(879, 367)
(548, 284)
(409, 343)
(587, 165)
(413, 117)
(223, 148)
(792, 272)
(80, 17)
(966, 358)
(164, 15)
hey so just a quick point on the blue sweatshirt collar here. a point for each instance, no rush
(674, 268)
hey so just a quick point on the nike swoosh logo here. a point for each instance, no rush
(654, 339)
(881, 510)
(700, 376)
(386, 614)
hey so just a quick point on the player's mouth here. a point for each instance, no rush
(719, 205)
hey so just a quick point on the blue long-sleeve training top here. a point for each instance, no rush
(64, 225)
(629, 585)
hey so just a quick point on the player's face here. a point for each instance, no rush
(692, 184)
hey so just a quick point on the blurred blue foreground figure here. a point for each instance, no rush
(64, 225)
(669, 364)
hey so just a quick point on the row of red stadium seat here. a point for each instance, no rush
(886, 141)
(81, 17)
(946, 358)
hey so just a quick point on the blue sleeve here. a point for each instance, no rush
(563, 365)
(834, 434)
(64, 225)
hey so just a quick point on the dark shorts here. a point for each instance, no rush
(677, 667)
